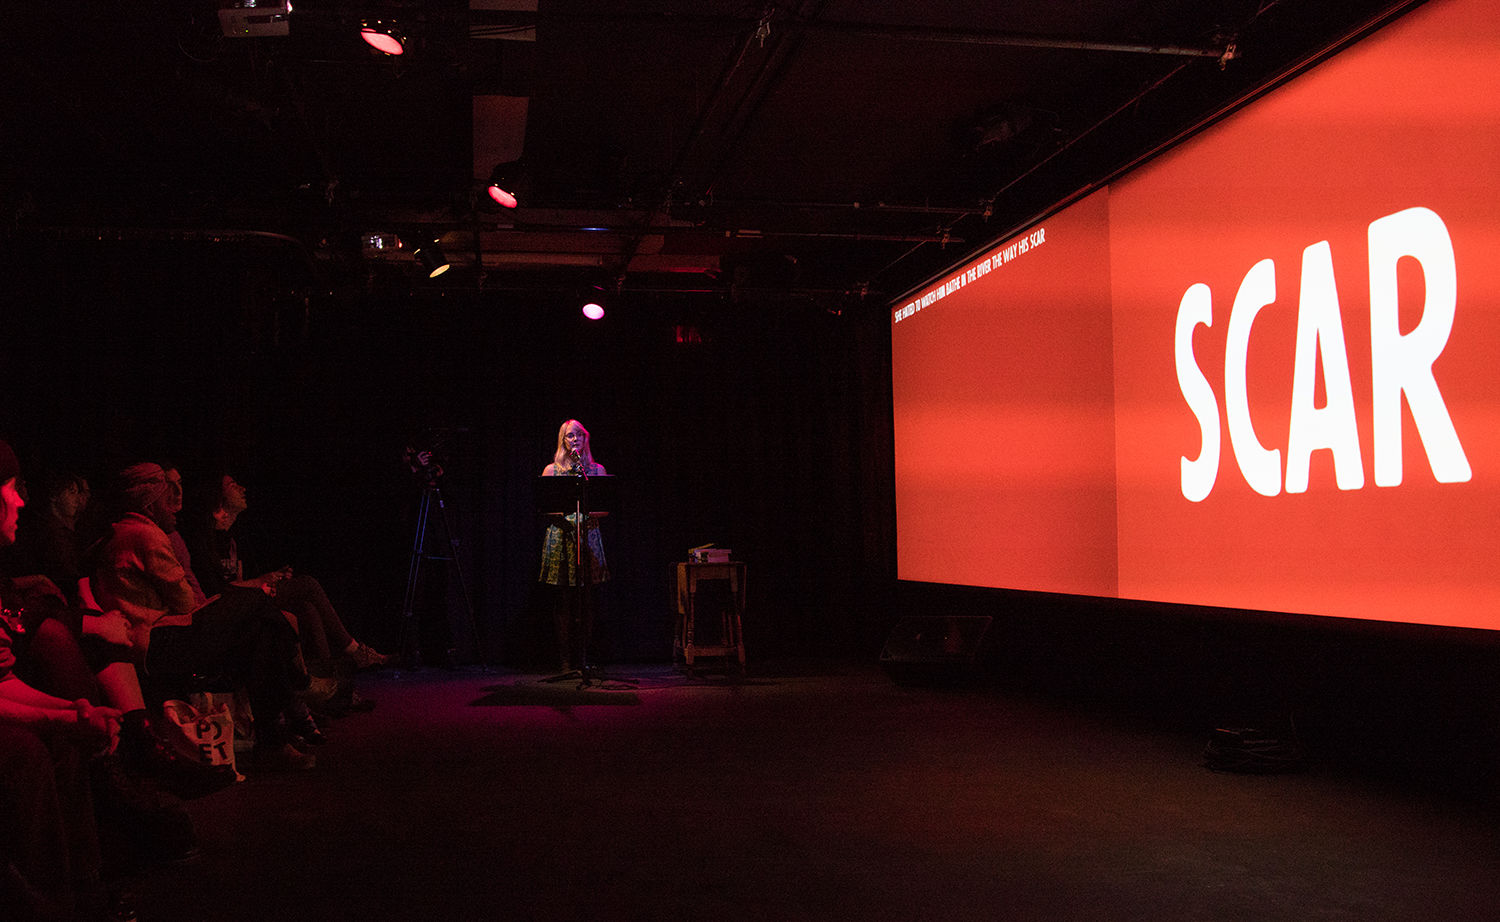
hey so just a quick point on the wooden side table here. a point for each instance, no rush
(731, 639)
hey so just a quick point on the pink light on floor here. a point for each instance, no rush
(593, 310)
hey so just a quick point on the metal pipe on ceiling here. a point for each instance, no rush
(880, 30)
(976, 208)
(1008, 39)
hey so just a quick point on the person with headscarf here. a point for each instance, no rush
(173, 636)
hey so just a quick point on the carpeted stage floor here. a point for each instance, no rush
(807, 790)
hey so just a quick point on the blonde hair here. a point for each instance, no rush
(562, 462)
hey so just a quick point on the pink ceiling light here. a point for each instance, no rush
(383, 37)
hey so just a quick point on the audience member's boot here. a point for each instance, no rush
(138, 824)
(302, 726)
(274, 751)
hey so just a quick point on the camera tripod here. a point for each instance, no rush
(411, 656)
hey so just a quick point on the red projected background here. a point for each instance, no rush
(1302, 338)
(1004, 416)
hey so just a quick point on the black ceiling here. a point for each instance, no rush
(820, 146)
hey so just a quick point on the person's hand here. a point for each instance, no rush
(268, 581)
(97, 728)
(110, 627)
(425, 464)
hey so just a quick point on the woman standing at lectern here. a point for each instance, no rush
(574, 458)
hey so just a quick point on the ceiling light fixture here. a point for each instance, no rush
(377, 244)
(383, 37)
(432, 259)
(594, 300)
(506, 180)
(502, 197)
(255, 18)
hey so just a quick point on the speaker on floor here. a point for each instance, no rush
(927, 649)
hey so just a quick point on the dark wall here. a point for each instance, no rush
(758, 423)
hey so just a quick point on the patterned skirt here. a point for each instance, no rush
(560, 563)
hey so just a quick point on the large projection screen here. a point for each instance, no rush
(1259, 372)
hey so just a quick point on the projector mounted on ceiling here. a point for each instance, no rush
(249, 19)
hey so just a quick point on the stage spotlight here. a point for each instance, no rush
(506, 180)
(432, 259)
(382, 36)
(502, 197)
(594, 298)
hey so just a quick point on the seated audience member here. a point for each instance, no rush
(211, 540)
(179, 545)
(243, 633)
(48, 837)
(140, 821)
(298, 717)
(49, 842)
(48, 536)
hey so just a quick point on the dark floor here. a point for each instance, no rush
(805, 791)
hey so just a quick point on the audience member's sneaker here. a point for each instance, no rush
(346, 702)
(359, 704)
(367, 657)
(319, 689)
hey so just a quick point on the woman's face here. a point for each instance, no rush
(234, 495)
(573, 439)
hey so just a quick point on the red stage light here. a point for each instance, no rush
(502, 197)
(382, 40)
